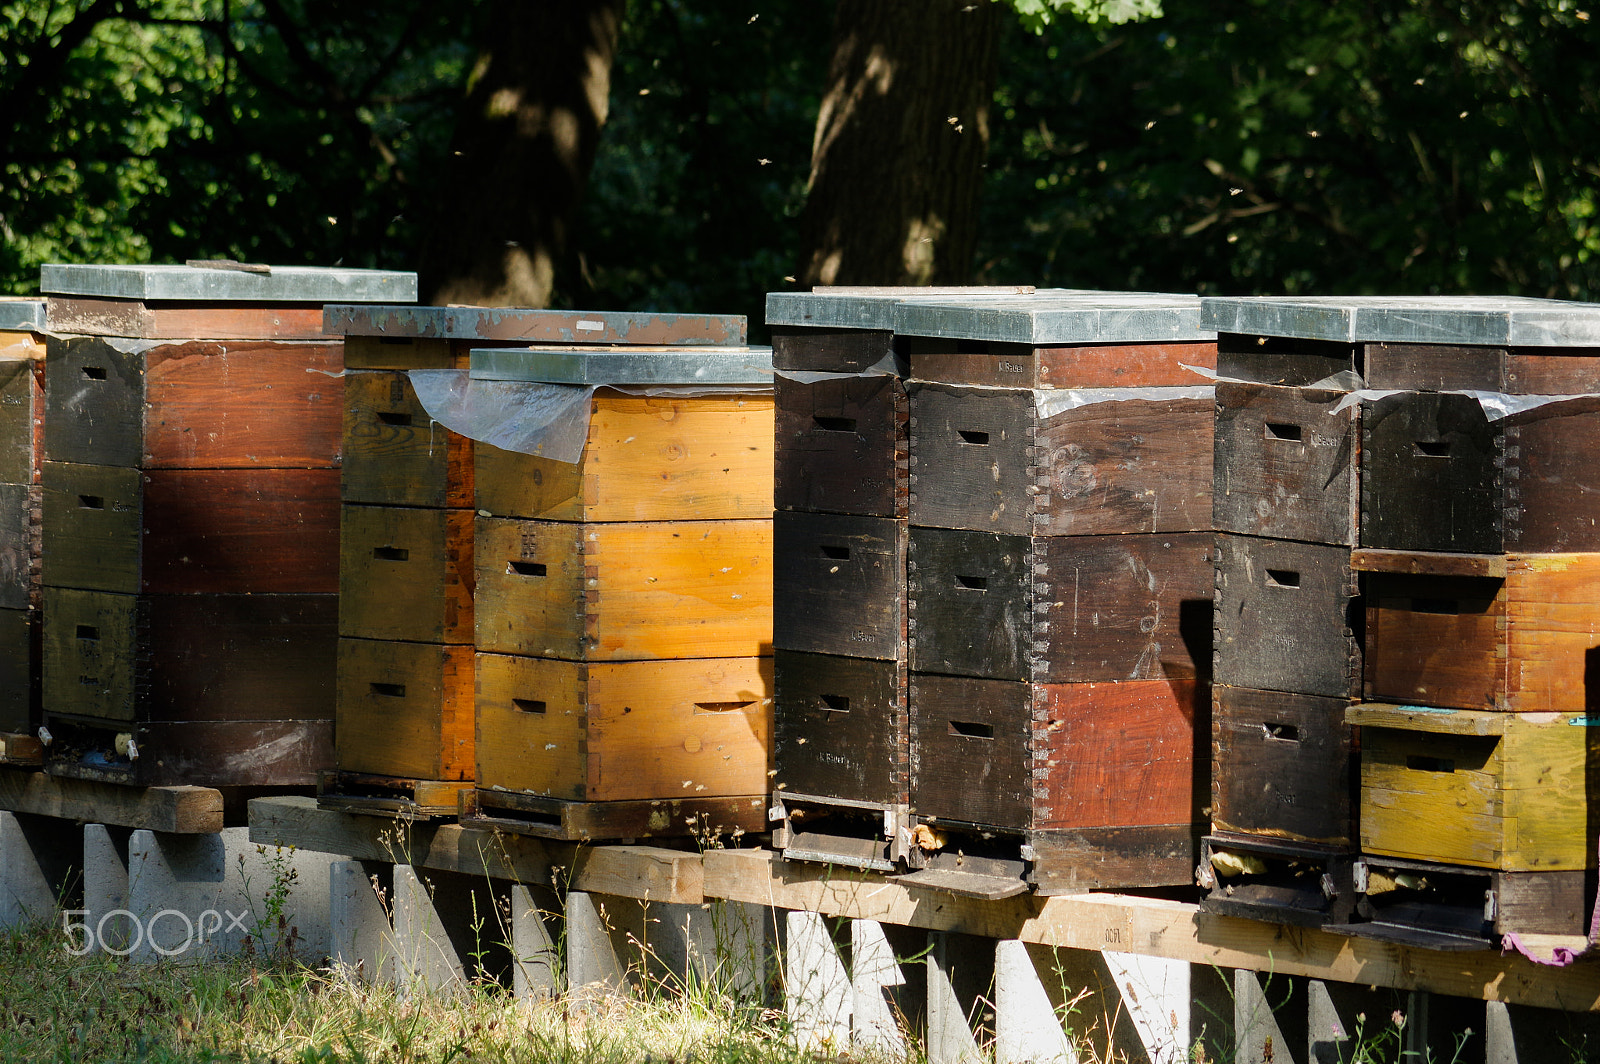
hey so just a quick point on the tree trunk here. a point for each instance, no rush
(522, 150)
(901, 137)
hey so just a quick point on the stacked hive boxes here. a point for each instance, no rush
(1475, 545)
(624, 593)
(407, 622)
(22, 351)
(191, 520)
(1056, 537)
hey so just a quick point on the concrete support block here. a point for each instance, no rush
(105, 886)
(960, 974)
(1028, 997)
(359, 903)
(425, 958)
(1156, 998)
(1269, 1014)
(38, 865)
(817, 991)
(536, 965)
(201, 896)
(874, 976)
(596, 968)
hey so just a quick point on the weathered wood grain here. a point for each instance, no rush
(1286, 463)
(194, 405)
(179, 809)
(646, 458)
(191, 531)
(405, 709)
(1507, 791)
(394, 453)
(624, 591)
(624, 731)
(841, 446)
(987, 459)
(1006, 365)
(174, 321)
(1287, 617)
(842, 582)
(841, 727)
(1430, 474)
(1283, 766)
(406, 573)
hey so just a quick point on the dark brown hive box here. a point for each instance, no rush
(1060, 609)
(1039, 462)
(841, 727)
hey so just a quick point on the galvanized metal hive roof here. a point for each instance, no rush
(1486, 320)
(625, 365)
(283, 284)
(536, 325)
(1048, 316)
(22, 315)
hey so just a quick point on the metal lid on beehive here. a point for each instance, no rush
(536, 326)
(850, 307)
(21, 315)
(228, 283)
(1045, 316)
(1487, 320)
(624, 365)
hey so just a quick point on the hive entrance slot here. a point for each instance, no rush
(525, 568)
(1285, 432)
(528, 705)
(1431, 448)
(390, 554)
(389, 690)
(402, 420)
(835, 424)
(971, 729)
(1283, 578)
(977, 439)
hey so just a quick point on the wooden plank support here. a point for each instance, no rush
(648, 873)
(179, 810)
(1152, 927)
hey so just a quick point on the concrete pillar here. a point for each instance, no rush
(362, 938)
(817, 991)
(960, 972)
(1028, 1028)
(1156, 999)
(105, 886)
(1269, 1014)
(536, 965)
(874, 975)
(37, 865)
(596, 967)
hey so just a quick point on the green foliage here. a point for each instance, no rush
(703, 165)
(1037, 14)
(1398, 146)
(278, 130)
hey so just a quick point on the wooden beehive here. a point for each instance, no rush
(1060, 609)
(624, 591)
(646, 458)
(191, 531)
(623, 731)
(395, 454)
(405, 709)
(190, 505)
(1287, 463)
(841, 445)
(22, 352)
(1475, 787)
(1283, 766)
(177, 671)
(1102, 780)
(1019, 461)
(1287, 617)
(1514, 632)
(406, 573)
(843, 730)
(841, 580)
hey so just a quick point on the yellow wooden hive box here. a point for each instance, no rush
(628, 591)
(622, 731)
(646, 458)
(1505, 791)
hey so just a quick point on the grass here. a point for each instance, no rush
(55, 1007)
